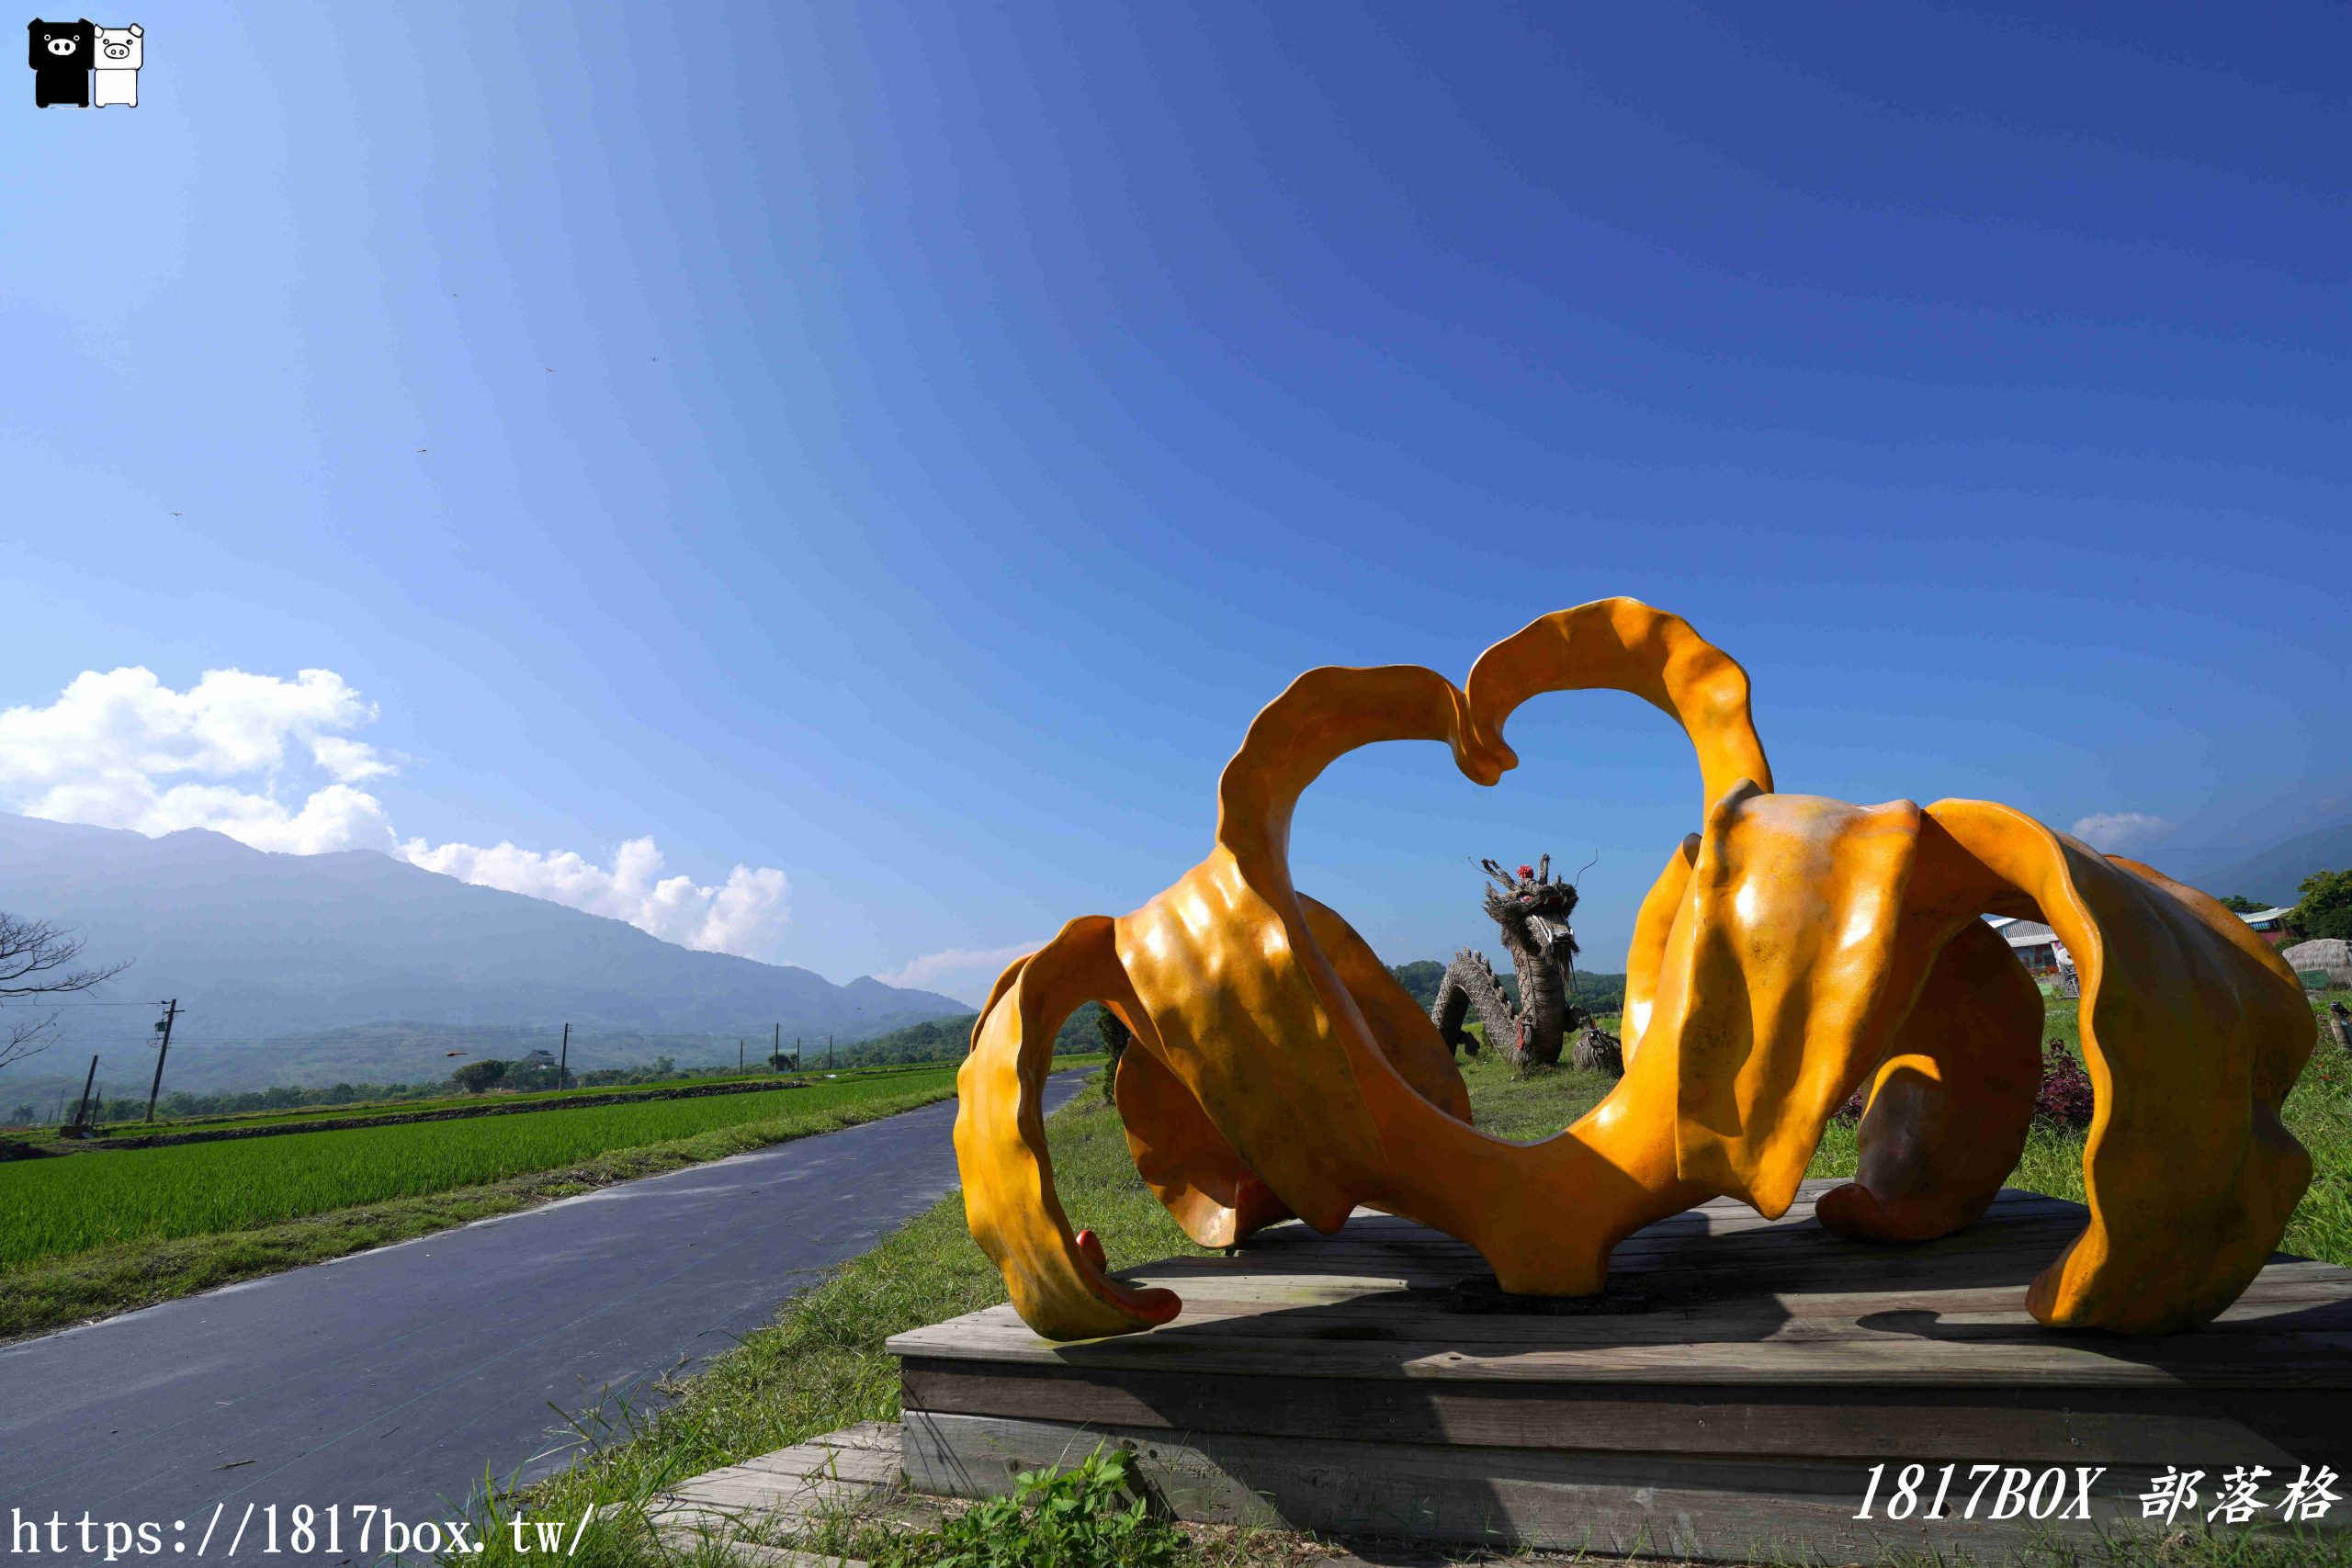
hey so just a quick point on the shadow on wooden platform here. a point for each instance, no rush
(1725, 1398)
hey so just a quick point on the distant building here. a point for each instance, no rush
(2036, 945)
(2038, 949)
(541, 1058)
(2272, 924)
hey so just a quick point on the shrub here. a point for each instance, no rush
(1092, 1516)
(476, 1077)
(2065, 1096)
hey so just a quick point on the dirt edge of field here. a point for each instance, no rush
(570, 1099)
(447, 1113)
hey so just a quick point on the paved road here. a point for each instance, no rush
(401, 1377)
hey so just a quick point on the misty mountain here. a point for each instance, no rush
(2273, 875)
(258, 946)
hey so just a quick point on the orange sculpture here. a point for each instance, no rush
(1794, 949)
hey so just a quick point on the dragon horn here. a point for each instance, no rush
(1543, 869)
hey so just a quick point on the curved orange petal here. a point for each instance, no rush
(1952, 1101)
(1008, 1173)
(1624, 644)
(1185, 1161)
(2193, 1031)
(1652, 925)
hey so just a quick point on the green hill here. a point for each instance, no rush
(1594, 993)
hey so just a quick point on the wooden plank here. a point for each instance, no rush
(1996, 1315)
(866, 1466)
(1278, 1306)
(1369, 1229)
(2017, 1357)
(1705, 1510)
(696, 1538)
(784, 1557)
(1257, 1289)
(736, 1490)
(844, 1468)
(2152, 1426)
(1797, 1254)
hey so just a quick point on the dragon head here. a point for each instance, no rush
(1517, 902)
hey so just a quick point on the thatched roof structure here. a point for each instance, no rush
(2331, 954)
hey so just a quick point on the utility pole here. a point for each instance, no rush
(739, 1056)
(776, 1051)
(163, 1049)
(563, 1062)
(82, 1112)
(828, 1053)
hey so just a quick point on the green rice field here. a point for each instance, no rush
(495, 1099)
(55, 1208)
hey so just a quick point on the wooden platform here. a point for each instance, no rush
(1724, 1400)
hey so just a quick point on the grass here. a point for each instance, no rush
(292, 1225)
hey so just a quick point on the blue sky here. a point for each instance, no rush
(893, 451)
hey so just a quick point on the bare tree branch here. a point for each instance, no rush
(36, 960)
(26, 1039)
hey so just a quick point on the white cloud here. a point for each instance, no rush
(122, 750)
(2117, 830)
(745, 915)
(335, 817)
(349, 760)
(966, 972)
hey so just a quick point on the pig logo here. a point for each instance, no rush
(115, 68)
(60, 53)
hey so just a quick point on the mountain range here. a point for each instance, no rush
(261, 947)
(2272, 875)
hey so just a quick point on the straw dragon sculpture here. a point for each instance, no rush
(1531, 912)
(1794, 949)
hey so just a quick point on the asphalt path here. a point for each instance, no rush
(406, 1376)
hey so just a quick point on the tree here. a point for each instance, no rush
(780, 1060)
(2326, 907)
(2239, 904)
(476, 1077)
(1115, 1040)
(37, 960)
